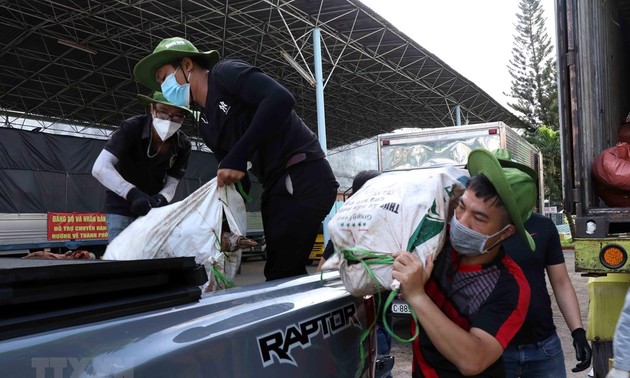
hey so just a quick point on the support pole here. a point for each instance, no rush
(458, 115)
(319, 90)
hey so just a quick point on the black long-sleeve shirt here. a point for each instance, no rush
(248, 116)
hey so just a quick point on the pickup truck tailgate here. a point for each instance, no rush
(308, 327)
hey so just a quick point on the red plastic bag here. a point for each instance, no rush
(611, 175)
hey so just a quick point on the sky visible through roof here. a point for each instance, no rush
(474, 37)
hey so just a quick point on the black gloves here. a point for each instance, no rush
(582, 350)
(158, 200)
(141, 203)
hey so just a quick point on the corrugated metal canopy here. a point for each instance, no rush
(379, 79)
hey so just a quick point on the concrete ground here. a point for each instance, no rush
(251, 272)
(580, 284)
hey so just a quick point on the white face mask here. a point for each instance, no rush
(165, 128)
(469, 242)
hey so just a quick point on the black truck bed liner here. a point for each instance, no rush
(38, 295)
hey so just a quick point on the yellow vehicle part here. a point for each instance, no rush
(603, 255)
(606, 295)
(318, 248)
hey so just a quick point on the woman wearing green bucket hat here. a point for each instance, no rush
(143, 162)
(248, 117)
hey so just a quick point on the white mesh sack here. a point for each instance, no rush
(395, 211)
(191, 227)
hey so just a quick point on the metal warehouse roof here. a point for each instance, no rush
(72, 61)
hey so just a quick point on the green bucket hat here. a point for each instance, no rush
(506, 161)
(158, 98)
(167, 51)
(516, 188)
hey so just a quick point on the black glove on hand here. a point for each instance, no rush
(158, 200)
(582, 350)
(140, 201)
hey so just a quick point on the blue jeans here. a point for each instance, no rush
(383, 343)
(383, 340)
(116, 224)
(540, 360)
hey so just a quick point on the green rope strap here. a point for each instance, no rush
(388, 302)
(367, 258)
(240, 189)
(221, 279)
(364, 335)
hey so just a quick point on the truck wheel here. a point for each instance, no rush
(602, 351)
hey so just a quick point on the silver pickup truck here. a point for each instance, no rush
(148, 318)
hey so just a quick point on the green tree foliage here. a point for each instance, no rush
(548, 141)
(534, 90)
(533, 69)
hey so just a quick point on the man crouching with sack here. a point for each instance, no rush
(473, 298)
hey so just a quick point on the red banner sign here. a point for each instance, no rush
(76, 226)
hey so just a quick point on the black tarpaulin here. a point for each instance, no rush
(42, 173)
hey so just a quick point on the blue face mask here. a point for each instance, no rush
(175, 93)
(470, 242)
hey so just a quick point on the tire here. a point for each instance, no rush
(602, 351)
